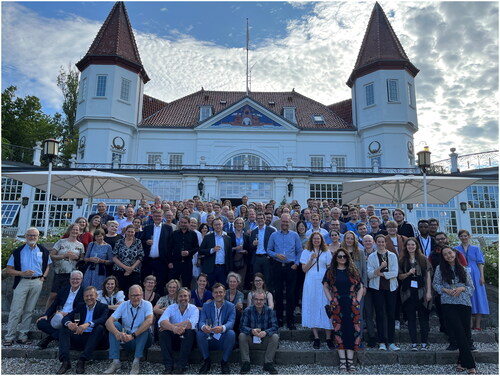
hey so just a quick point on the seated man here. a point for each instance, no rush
(133, 333)
(177, 329)
(66, 300)
(216, 329)
(258, 330)
(82, 329)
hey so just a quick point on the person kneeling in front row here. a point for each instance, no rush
(133, 333)
(216, 329)
(82, 329)
(177, 329)
(258, 330)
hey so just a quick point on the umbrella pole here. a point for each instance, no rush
(47, 201)
(91, 198)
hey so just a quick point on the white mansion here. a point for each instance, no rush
(267, 145)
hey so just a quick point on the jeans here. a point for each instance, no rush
(225, 343)
(137, 345)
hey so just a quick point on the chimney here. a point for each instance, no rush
(454, 161)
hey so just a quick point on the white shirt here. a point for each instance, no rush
(426, 244)
(174, 316)
(155, 252)
(68, 306)
(123, 223)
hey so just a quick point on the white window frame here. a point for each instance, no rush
(392, 90)
(369, 94)
(125, 89)
(9, 213)
(205, 112)
(318, 119)
(325, 191)
(99, 87)
(289, 113)
(11, 189)
(317, 162)
(154, 158)
(175, 160)
(166, 189)
(411, 95)
(340, 159)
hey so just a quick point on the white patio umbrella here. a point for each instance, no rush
(84, 184)
(400, 189)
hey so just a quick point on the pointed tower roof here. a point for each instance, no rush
(380, 49)
(115, 44)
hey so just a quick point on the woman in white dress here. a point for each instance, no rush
(315, 260)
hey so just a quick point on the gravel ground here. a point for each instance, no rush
(44, 366)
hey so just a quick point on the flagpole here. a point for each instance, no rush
(248, 40)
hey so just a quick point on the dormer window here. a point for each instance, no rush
(289, 114)
(318, 119)
(205, 112)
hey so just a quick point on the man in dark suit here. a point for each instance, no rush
(67, 299)
(155, 240)
(219, 329)
(82, 332)
(183, 244)
(217, 249)
(257, 246)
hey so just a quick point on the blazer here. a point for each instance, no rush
(61, 297)
(252, 249)
(228, 314)
(391, 275)
(98, 318)
(166, 232)
(207, 244)
(390, 245)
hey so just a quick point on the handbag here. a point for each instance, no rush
(329, 311)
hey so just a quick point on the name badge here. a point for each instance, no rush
(217, 336)
(256, 340)
(414, 284)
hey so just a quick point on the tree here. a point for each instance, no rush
(23, 121)
(67, 81)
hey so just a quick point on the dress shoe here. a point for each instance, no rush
(65, 367)
(245, 368)
(207, 363)
(224, 368)
(452, 347)
(269, 367)
(44, 343)
(113, 367)
(292, 327)
(178, 371)
(80, 366)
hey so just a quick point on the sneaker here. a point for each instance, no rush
(245, 368)
(397, 325)
(382, 347)
(393, 347)
(316, 343)
(424, 347)
(473, 348)
(452, 347)
(114, 366)
(414, 347)
(135, 369)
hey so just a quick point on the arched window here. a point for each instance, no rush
(254, 162)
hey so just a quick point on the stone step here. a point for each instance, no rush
(305, 335)
(283, 357)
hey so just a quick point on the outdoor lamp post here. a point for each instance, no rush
(424, 162)
(50, 149)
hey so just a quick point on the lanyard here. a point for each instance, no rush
(426, 245)
(218, 313)
(133, 316)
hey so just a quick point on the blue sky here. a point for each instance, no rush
(308, 46)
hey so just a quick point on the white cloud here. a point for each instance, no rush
(455, 45)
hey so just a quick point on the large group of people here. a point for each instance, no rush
(177, 273)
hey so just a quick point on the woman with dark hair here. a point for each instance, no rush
(315, 260)
(416, 293)
(243, 213)
(475, 264)
(301, 230)
(200, 295)
(137, 222)
(110, 294)
(382, 267)
(99, 255)
(95, 223)
(259, 285)
(454, 283)
(335, 238)
(343, 289)
(127, 258)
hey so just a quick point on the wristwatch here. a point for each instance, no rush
(133, 335)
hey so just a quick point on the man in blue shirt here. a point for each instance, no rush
(353, 221)
(285, 249)
(29, 265)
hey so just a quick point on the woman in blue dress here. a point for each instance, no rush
(475, 264)
(98, 256)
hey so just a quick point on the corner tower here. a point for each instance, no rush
(110, 93)
(383, 96)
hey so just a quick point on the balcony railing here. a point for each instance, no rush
(245, 169)
(16, 153)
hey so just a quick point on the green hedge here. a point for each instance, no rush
(491, 264)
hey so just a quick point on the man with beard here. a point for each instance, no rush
(183, 244)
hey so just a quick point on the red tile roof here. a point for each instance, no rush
(151, 105)
(380, 49)
(184, 112)
(343, 109)
(115, 44)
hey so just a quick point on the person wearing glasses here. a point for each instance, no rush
(133, 333)
(344, 290)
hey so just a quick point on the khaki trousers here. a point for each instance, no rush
(270, 344)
